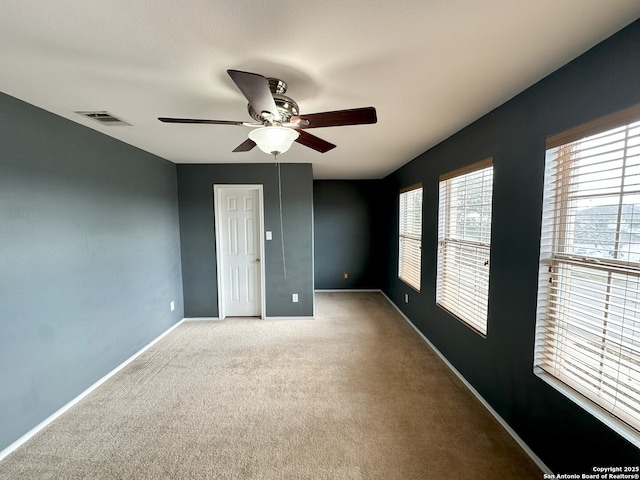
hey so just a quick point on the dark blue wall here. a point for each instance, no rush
(89, 259)
(348, 238)
(500, 366)
(197, 234)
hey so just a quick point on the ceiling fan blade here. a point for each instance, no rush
(256, 88)
(337, 118)
(313, 142)
(245, 146)
(196, 120)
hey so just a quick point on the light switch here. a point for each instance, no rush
(268, 235)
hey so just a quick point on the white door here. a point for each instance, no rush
(238, 239)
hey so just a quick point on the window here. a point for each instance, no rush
(464, 238)
(588, 319)
(410, 241)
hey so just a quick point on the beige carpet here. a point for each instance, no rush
(353, 394)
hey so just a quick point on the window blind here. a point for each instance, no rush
(464, 239)
(588, 318)
(410, 241)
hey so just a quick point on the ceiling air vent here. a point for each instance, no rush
(104, 118)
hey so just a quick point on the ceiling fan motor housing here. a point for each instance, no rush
(287, 107)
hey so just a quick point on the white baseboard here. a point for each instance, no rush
(31, 433)
(346, 290)
(486, 405)
(217, 319)
(289, 318)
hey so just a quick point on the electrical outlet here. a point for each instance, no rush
(172, 305)
(346, 275)
(294, 298)
(406, 298)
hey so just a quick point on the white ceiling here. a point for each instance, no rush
(430, 67)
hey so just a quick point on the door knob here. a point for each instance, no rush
(257, 260)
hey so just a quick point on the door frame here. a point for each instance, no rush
(220, 230)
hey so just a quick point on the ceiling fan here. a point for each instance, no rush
(277, 121)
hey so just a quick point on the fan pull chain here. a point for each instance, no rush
(284, 264)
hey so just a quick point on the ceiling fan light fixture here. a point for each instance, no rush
(274, 139)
